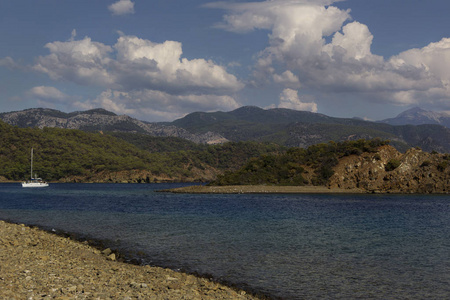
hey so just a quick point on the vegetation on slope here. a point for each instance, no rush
(61, 153)
(288, 168)
(158, 144)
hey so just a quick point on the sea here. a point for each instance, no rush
(302, 246)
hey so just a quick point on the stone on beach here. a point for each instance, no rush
(35, 264)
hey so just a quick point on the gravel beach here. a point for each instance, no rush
(261, 189)
(35, 264)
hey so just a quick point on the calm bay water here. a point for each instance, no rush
(290, 246)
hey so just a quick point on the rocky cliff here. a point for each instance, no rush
(389, 171)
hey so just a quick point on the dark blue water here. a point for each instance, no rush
(291, 246)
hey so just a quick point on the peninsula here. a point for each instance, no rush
(353, 167)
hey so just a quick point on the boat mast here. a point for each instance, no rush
(31, 163)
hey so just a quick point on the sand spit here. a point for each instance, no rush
(262, 189)
(35, 264)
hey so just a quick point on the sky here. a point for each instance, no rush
(158, 60)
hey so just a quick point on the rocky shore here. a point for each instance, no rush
(35, 264)
(389, 171)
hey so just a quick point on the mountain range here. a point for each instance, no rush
(282, 126)
(102, 120)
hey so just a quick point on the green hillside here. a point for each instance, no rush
(61, 153)
(288, 168)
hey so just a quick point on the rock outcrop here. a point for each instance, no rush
(389, 171)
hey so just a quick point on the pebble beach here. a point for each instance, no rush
(261, 189)
(35, 264)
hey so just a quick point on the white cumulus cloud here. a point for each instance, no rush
(134, 63)
(160, 66)
(289, 99)
(157, 105)
(47, 96)
(81, 61)
(122, 7)
(47, 93)
(287, 78)
(321, 46)
(136, 72)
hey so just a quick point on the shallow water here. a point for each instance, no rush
(290, 246)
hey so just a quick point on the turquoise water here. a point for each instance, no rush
(288, 246)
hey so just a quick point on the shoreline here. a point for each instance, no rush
(261, 189)
(38, 263)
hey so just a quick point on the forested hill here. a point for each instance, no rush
(74, 155)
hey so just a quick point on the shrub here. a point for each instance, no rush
(392, 165)
(426, 163)
(442, 166)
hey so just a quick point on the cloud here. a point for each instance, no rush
(82, 61)
(323, 48)
(157, 105)
(246, 17)
(355, 41)
(134, 63)
(289, 99)
(9, 63)
(47, 96)
(122, 7)
(47, 93)
(434, 58)
(73, 35)
(140, 74)
(287, 78)
(161, 67)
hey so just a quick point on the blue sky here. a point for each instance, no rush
(160, 60)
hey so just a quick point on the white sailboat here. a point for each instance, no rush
(34, 182)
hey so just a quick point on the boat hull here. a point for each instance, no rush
(34, 184)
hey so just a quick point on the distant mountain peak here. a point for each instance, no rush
(248, 108)
(419, 116)
(414, 110)
(100, 111)
(94, 111)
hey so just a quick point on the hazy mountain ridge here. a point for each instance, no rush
(419, 116)
(102, 120)
(249, 123)
(302, 129)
